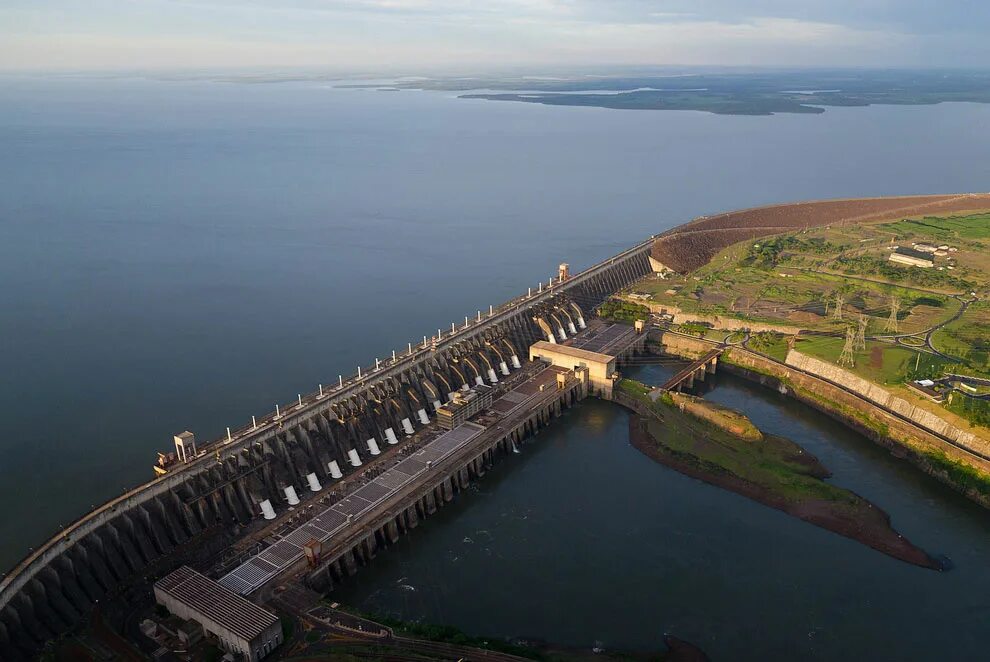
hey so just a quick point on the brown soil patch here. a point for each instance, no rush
(804, 316)
(876, 358)
(693, 244)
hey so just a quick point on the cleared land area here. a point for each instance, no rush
(805, 275)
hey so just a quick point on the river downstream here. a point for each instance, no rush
(581, 538)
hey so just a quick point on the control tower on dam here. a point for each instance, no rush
(206, 495)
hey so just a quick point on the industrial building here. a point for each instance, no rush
(463, 405)
(601, 367)
(238, 625)
(913, 258)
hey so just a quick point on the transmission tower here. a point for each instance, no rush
(895, 306)
(863, 322)
(828, 302)
(839, 300)
(847, 357)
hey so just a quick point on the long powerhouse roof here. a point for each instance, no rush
(217, 603)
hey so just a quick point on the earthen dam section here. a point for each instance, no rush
(251, 474)
(692, 245)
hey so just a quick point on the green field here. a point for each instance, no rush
(880, 363)
(968, 338)
(976, 226)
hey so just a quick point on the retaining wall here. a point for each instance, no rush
(903, 438)
(884, 398)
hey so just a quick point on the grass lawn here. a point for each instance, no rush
(975, 226)
(968, 338)
(879, 362)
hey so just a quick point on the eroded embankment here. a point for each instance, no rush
(771, 470)
(692, 245)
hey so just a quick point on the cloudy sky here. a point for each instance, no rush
(365, 35)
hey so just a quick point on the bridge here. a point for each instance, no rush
(318, 439)
(686, 377)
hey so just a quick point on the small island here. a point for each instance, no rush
(721, 93)
(722, 447)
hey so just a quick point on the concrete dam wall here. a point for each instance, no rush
(262, 469)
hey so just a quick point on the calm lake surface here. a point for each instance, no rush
(181, 255)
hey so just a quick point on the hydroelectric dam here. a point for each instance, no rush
(314, 488)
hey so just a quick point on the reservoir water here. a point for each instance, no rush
(180, 254)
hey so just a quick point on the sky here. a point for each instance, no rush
(429, 35)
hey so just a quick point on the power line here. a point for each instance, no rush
(847, 357)
(862, 322)
(895, 306)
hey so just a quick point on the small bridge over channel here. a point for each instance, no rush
(686, 377)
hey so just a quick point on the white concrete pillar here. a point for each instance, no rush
(373, 447)
(407, 426)
(290, 495)
(570, 327)
(504, 368)
(492, 377)
(479, 381)
(423, 418)
(437, 404)
(515, 362)
(266, 509)
(355, 459)
(335, 471)
(314, 482)
(390, 437)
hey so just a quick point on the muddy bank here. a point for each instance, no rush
(780, 474)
